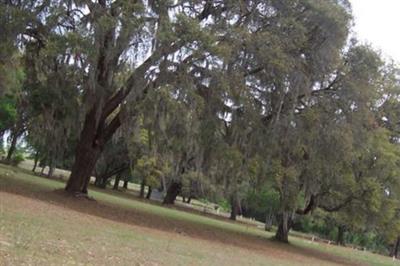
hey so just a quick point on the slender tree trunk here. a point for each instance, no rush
(51, 168)
(173, 191)
(13, 146)
(97, 181)
(183, 199)
(340, 235)
(163, 183)
(268, 221)
(395, 250)
(125, 184)
(285, 222)
(234, 208)
(51, 171)
(189, 200)
(149, 192)
(103, 182)
(42, 171)
(35, 162)
(142, 187)
(116, 182)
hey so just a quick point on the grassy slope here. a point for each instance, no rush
(38, 225)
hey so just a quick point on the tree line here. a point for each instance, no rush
(267, 106)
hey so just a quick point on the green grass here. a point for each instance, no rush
(49, 233)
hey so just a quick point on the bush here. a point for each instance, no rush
(225, 205)
(17, 158)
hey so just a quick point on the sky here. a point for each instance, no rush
(377, 22)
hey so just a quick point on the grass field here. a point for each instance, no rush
(41, 225)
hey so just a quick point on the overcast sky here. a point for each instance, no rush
(378, 22)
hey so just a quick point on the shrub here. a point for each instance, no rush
(17, 158)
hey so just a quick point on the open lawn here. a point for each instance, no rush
(41, 225)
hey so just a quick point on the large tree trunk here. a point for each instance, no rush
(81, 171)
(285, 223)
(189, 199)
(173, 191)
(340, 235)
(125, 184)
(86, 155)
(395, 250)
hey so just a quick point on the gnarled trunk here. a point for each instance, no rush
(86, 155)
(173, 191)
(285, 223)
(95, 133)
(82, 170)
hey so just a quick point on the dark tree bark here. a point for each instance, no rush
(173, 191)
(234, 208)
(35, 163)
(125, 184)
(97, 181)
(189, 200)
(285, 223)
(13, 146)
(103, 182)
(116, 182)
(149, 193)
(16, 132)
(395, 250)
(340, 236)
(87, 152)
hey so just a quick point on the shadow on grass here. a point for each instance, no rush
(258, 242)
